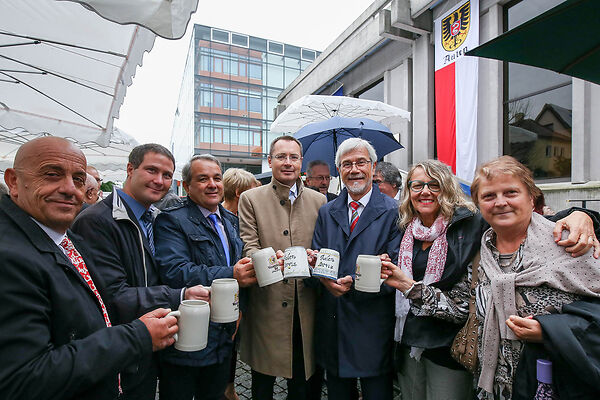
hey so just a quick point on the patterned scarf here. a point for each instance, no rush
(435, 261)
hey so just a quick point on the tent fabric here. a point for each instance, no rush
(166, 18)
(64, 69)
(565, 39)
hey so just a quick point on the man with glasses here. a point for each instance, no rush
(388, 179)
(277, 328)
(355, 329)
(318, 178)
(94, 172)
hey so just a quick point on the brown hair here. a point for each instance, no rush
(504, 165)
(235, 179)
(284, 137)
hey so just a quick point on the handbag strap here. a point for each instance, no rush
(474, 278)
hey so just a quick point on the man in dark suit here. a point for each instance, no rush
(355, 329)
(318, 177)
(119, 232)
(55, 342)
(197, 242)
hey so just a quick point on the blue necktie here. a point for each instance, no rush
(213, 219)
(147, 220)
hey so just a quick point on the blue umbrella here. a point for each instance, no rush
(320, 140)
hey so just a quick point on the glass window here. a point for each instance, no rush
(292, 62)
(218, 65)
(275, 47)
(275, 59)
(218, 135)
(290, 75)
(205, 62)
(242, 103)
(375, 92)
(242, 69)
(239, 40)
(275, 76)
(537, 107)
(305, 65)
(254, 104)
(218, 100)
(308, 55)
(220, 36)
(255, 71)
(292, 51)
(202, 32)
(258, 44)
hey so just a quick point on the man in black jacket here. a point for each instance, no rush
(120, 234)
(56, 340)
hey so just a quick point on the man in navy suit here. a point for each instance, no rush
(197, 242)
(355, 329)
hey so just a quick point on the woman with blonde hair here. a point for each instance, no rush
(235, 182)
(442, 233)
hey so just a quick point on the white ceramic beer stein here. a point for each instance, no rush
(266, 267)
(193, 316)
(224, 300)
(295, 263)
(328, 262)
(368, 274)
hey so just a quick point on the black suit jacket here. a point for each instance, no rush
(54, 343)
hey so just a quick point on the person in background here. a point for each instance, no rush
(94, 172)
(355, 329)
(389, 180)
(196, 243)
(318, 177)
(91, 190)
(119, 232)
(3, 189)
(58, 340)
(235, 182)
(278, 326)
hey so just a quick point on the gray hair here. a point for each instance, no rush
(315, 163)
(390, 174)
(186, 171)
(3, 189)
(354, 143)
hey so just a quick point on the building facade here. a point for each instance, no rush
(228, 93)
(542, 118)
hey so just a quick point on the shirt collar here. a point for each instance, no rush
(363, 201)
(136, 207)
(294, 189)
(56, 237)
(397, 196)
(207, 212)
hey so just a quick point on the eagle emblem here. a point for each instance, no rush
(455, 27)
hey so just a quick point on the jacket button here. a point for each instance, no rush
(284, 304)
(282, 202)
(274, 187)
(286, 232)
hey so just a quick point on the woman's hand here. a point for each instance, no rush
(525, 328)
(394, 277)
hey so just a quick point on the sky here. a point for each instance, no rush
(150, 103)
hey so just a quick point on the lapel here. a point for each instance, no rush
(122, 211)
(339, 212)
(372, 211)
(40, 240)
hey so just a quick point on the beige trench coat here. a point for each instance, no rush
(268, 219)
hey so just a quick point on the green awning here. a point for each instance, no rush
(565, 39)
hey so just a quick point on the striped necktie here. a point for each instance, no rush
(147, 220)
(354, 205)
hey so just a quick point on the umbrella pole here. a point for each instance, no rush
(335, 147)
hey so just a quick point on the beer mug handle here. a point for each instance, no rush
(175, 314)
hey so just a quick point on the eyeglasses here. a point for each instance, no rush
(292, 157)
(347, 165)
(377, 181)
(418, 186)
(320, 178)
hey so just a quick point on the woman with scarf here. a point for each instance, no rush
(442, 235)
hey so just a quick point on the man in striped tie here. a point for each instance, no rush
(355, 329)
(58, 339)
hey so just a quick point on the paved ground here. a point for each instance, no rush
(243, 385)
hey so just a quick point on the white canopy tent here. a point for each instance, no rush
(64, 69)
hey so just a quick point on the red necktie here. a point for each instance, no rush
(78, 262)
(354, 205)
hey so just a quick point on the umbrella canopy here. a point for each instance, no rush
(166, 18)
(565, 39)
(64, 69)
(315, 108)
(320, 140)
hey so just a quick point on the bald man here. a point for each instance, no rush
(55, 342)
(92, 189)
(94, 172)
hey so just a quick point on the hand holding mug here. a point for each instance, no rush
(312, 257)
(243, 272)
(280, 255)
(338, 287)
(161, 327)
(395, 277)
(197, 292)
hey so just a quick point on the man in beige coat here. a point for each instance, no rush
(277, 329)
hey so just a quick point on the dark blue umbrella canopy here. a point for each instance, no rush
(320, 140)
